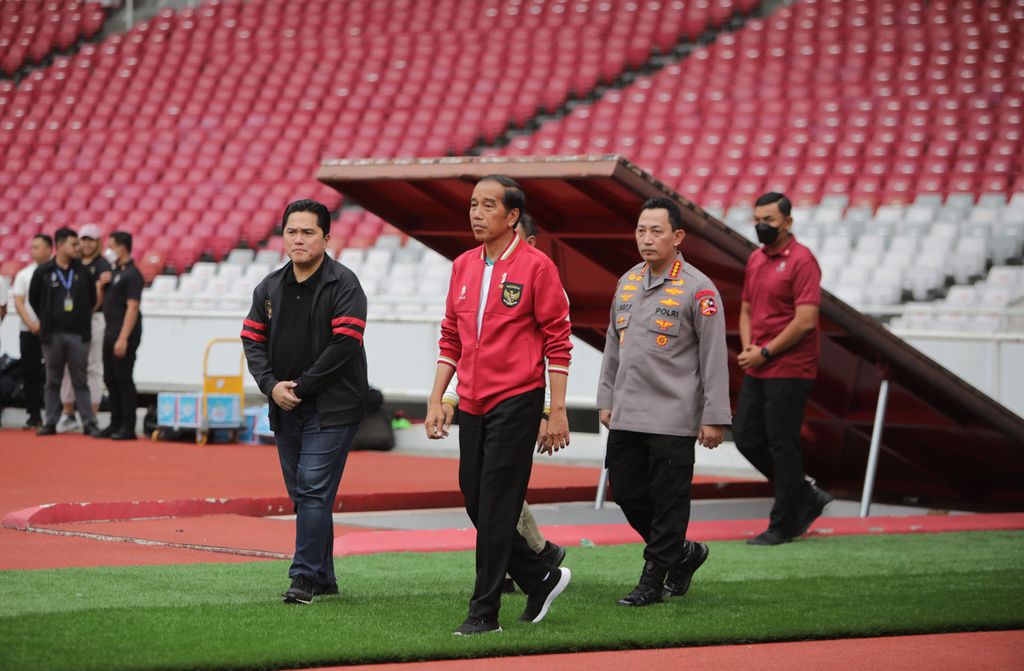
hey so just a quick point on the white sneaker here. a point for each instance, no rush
(67, 423)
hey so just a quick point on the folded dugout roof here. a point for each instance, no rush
(943, 441)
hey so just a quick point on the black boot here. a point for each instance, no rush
(811, 508)
(649, 589)
(678, 581)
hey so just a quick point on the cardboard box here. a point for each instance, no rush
(178, 410)
(224, 411)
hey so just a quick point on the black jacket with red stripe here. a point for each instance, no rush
(336, 381)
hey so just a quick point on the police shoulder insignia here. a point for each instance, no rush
(707, 302)
(625, 297)
(511, 294)
(629, 287)
(268, 308)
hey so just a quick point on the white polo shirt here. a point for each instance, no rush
(21, 282)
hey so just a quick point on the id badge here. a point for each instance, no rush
(69, 304)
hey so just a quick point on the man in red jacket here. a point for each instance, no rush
(506, 312)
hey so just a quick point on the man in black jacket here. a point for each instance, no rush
(303, 341)
(63, 294)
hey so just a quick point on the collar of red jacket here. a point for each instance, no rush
(511, 247)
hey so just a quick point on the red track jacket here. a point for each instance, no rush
(526, 319)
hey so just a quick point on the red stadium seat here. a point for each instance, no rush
(899, 98)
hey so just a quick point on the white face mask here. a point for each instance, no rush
(110, 255)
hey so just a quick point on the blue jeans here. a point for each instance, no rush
(312, 461)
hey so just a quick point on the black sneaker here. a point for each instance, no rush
(46, 430)
(325, 589)
(91, 430)
(33, 424)
(769, 537)
(123, 434)
(811, 509)
(475, 625)
(301, 591)
(538, 603)
(677, 582)
(648, 591)
(107, 432)
(552, 555)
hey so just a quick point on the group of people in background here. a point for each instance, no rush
(80, 330)
(664, 388)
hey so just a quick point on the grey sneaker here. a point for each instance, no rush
(67, 423)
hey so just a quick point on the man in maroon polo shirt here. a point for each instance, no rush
(779, 334)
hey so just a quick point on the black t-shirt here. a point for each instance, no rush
(291, 354)
(125, 284)
(97, 267)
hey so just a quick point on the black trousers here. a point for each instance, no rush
(766, 428)
(495, 460)
(118, 377)
(32, 374)
(650, 476)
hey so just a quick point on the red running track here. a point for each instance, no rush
(191, 484)
(989, 650)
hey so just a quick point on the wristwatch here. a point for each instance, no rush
(766, 354)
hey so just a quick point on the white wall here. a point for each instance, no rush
(401, 354)
(994, 363)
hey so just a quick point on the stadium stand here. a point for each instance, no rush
(193, 128)
(895, 126)
(31, 30)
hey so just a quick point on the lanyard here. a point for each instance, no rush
(66, 281)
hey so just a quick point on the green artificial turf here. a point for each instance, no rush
(401, 607)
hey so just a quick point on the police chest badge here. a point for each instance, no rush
(511, 294)
(707, 302)
(267, 308)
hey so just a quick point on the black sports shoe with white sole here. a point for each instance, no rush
(475, 625)
(538, 602)
(301, 591)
